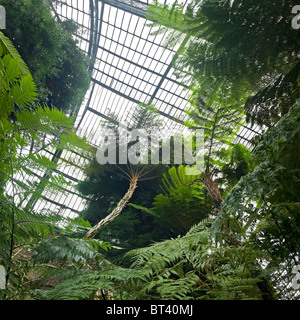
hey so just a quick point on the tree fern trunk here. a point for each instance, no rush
(213, 190)
(117, 210)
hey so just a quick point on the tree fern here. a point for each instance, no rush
(263, 204)
(198, 266)
(267, 105)
(22, 126)
(181, 203)
(237, 45)
(220, 122)
(275, 159)
(83, 284)
(256, 224)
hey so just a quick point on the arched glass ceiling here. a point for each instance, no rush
(131, 67)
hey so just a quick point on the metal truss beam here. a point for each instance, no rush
(133, 7)
(137, 102)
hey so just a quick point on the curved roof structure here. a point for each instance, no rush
(131, 67)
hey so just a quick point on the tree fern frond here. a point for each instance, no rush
(24, 92)
(44, 119)
(179, 289)
(9, 48)
(13, 71)
(66, 249)
(83, 285)
(86, 284)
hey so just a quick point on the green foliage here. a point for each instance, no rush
(231, 164)
(261, 210)
(83, 284)
(263, 205)
(182, 201)
(17, 86)
(270, 103)
(242, 247)
(64, 249)
(197, 266)
(106, 184)
(236, 60)
(269, 192)
(8, 47)
(218, 120)
(237, 46)
(58, 67)
(23, 131)
(78, 270)
(262, 213)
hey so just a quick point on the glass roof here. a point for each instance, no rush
(130, 67)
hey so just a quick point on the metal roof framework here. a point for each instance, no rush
(131, 67)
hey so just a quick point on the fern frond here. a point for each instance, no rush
(13, 71)
(44, 119)
(24, 92)
(83, 285)
(9, 48)
(86, 284)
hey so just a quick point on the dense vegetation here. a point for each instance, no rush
(58, 67)
(229, 232)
